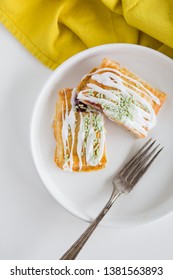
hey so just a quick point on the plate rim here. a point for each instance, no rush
(34, 114)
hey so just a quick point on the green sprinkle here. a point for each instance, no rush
(66, 158)
(97, 122)
(86, 125)
(146, 108)
(122, 109)
(90, 92)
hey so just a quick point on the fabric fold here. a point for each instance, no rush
(155, 18)
(53, 31)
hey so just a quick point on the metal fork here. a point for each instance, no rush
(123, 183)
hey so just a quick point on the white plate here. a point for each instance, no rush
(84, 194)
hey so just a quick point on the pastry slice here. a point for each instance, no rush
(79, 134)
(122, 96)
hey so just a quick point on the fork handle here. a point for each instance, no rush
(73, 251)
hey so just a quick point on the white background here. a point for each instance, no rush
(32, 224)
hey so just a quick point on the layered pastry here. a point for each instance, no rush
(79, 134)
(122, 96)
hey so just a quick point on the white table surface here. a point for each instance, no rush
(32, 224)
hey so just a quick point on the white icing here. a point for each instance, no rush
(68, 125)
(109, 94)
(65, 130)
(68, 121)
(102, 145)
(81, 137)
(132, 80)
(90, 146)
(143, 115)
(71, 121)
(90, 158)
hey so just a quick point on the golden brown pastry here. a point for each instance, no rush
(122, 96)
(79, 134)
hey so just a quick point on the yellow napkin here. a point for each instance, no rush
(54, 30)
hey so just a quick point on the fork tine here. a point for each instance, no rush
(140, 172)
(139, 163)
(131, 164)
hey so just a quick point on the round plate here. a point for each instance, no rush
(84, 194)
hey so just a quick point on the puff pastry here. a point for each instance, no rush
(79, 134)
(122, 96)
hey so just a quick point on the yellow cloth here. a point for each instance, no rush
(54, 30)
